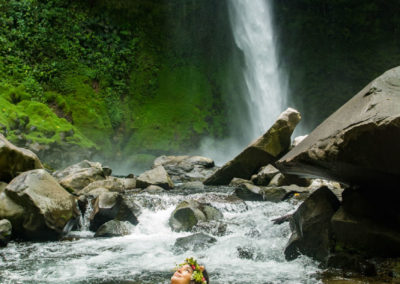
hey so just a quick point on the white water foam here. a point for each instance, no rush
(147, 255)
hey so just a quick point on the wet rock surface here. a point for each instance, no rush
(265, 150)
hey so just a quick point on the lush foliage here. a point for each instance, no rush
(108, 73)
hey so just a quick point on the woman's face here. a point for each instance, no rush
(182, 275)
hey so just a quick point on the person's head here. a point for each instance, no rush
(190, 272)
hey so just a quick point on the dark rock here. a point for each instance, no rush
(5, 232)
(188, 213)
(265, 150)
(215, 228)
(310, 224)
(46, 205)
(245, 252)
(14, 160)
(281, 180)
(351, 263)
(111, 205)
(194, 242)
(78, 176)
(186, 168)
(359, 143)
(264, 175)
(157, 176)
(283, 219)
(249, 192)
(114, 228)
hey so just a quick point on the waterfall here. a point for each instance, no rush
(265, 91)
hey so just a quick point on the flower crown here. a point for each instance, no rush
(197, 274)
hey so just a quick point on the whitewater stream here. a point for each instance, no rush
(249, 251)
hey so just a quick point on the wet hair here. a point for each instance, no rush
(205, 275)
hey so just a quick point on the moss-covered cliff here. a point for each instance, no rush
(119, 78)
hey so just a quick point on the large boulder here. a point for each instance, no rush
(9, 209)
(264, 175)
(15, 160)
(368, 223)
(190, 212)
(47, 206)
(112, 205)
(265, 150)
(80, 175)
(5, 232)
(310, 224)
(114, 228)
(186, 168)
(358, 144)
(157, 176)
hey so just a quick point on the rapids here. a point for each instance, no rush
(147, 255)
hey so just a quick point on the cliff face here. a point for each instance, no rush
(331, 49)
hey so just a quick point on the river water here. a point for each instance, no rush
(148, 255)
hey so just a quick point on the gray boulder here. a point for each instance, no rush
(196, 242)
(239, 182)
(112, 205)
(46, 205)
(5, 232)
(265, 150)
(188, 213)
(114, 228)
(15, 160)
(80, 175)
(112, 184)
(310, 224)
(359, 143)
(157, 176)
(186, 168)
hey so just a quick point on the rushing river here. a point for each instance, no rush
(148, 255)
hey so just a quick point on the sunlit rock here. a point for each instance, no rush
(47, 206)
(265, 150)
(114, 228)
(112, 184)
(188, 213)
(15, 160)
(157, 176)
(186, 168)
(80, 175)
(358, 144)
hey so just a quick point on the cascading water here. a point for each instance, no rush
(252, 28)
(250, 250)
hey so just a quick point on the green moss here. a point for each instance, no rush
(176, 115)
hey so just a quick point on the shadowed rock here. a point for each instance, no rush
(358, 144)
(265, 150)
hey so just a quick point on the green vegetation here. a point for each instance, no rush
(107, 75)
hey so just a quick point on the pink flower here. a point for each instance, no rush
(193, 267)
